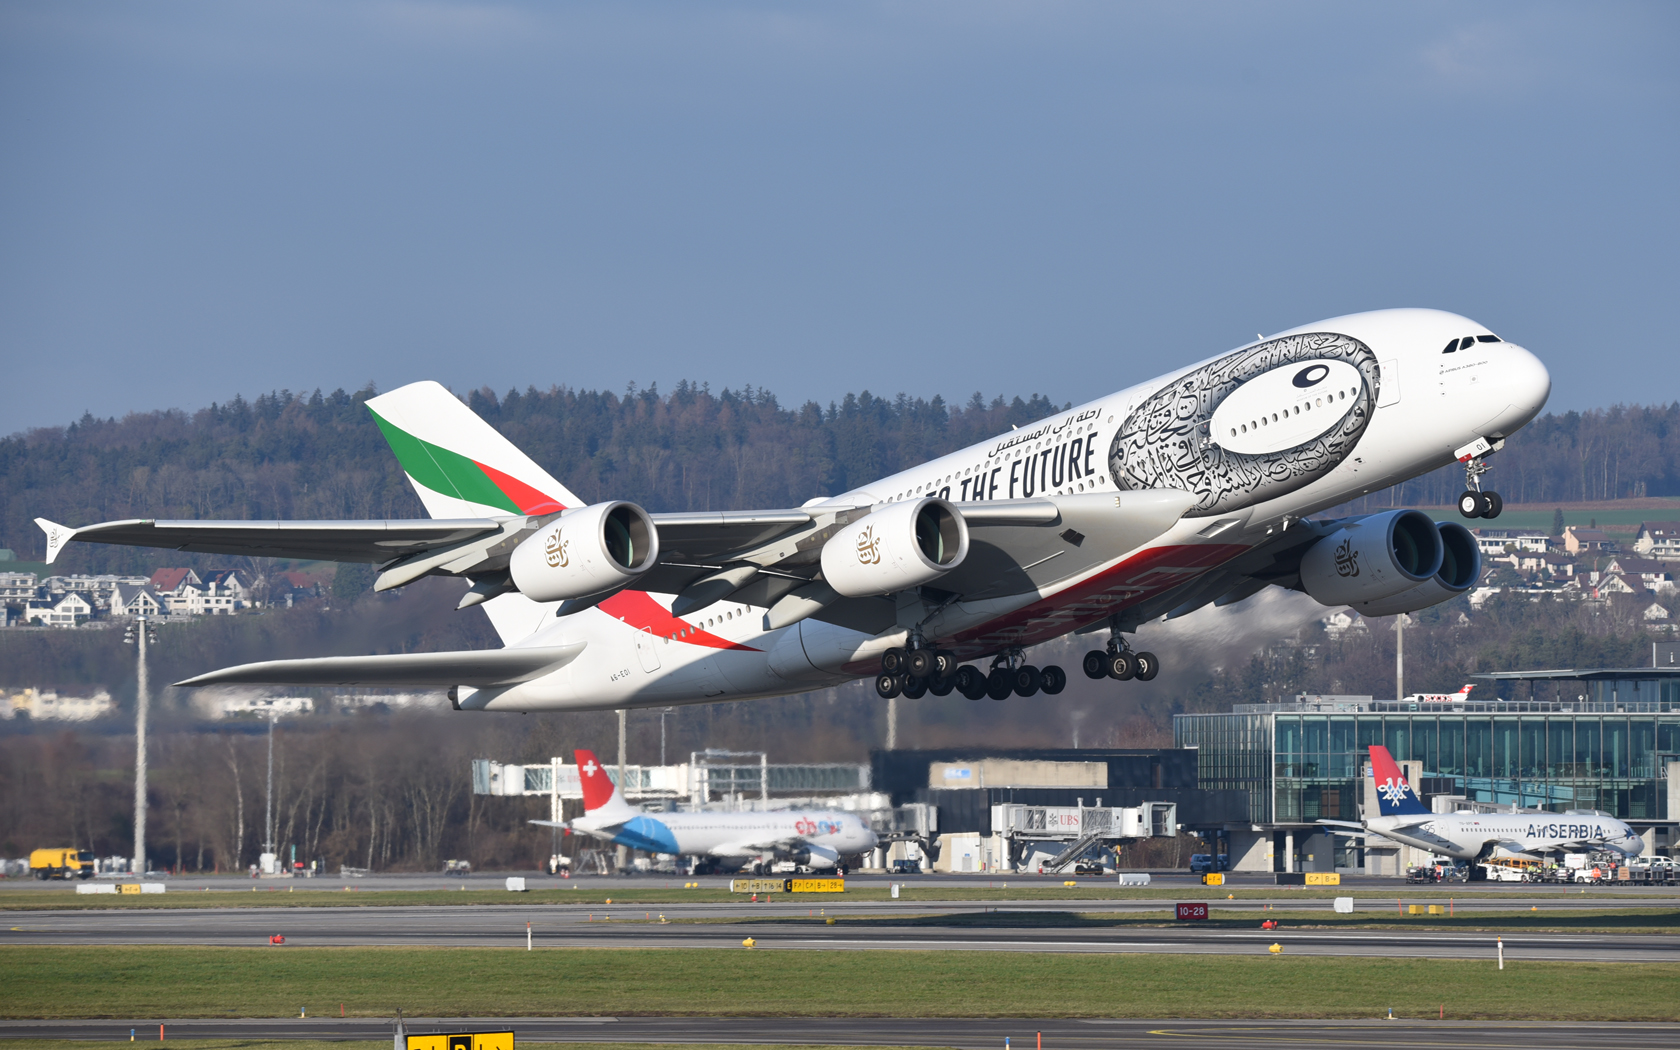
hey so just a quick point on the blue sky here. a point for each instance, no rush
(199, 199)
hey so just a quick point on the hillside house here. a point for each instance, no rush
(1652, 575)
(1493, 542)
(1584, 541)
(67, 610)
(136, 600)
(1658, 539)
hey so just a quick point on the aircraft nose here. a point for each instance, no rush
(1525, 385)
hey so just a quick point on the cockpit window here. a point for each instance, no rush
(1452, 346)
(1467, 342)
(1487, 339)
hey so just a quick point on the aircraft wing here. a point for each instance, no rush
(748, 849)
(363, 541)
(1415, 833)
(477, 667)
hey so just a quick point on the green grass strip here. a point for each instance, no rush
(92, 982)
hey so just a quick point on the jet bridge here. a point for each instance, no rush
(1077, 828)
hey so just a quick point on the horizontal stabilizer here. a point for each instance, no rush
(479, 667)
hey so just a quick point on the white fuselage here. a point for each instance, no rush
(1468, 836)
(1429, 404)
(712, 834)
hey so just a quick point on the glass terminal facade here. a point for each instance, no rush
(1575, 740)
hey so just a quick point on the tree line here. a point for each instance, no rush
(286, 455)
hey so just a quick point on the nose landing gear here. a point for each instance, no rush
(1473, 502)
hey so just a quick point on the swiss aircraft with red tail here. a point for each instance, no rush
(1190, 489)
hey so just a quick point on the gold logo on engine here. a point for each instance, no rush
(555, 551)
(1347, 559)
(868, 547)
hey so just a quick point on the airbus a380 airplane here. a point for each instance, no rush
(813, 839)
(1184, 490)
(1402, 817)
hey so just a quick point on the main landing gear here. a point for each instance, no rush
(913, 673)
(1119, 661)
(1473, 502)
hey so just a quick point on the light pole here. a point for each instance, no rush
(268, 796)
(138, 633)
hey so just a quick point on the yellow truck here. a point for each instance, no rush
(61, 864)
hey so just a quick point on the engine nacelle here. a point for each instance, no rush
(814, 856)
(895, 548)
(1375, 557)
(1461, 567)
(584, 552)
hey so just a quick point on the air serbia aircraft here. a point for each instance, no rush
(1402, 817)
(1189, 489)
(812, 839)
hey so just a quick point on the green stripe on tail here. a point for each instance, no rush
(441, 470)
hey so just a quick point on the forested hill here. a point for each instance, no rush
(286, 455)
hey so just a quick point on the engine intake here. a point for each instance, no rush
(813, 856)
(1461, 567)
(895, 548)
(1373, 558)
(585, 551)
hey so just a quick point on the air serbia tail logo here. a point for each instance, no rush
(1395, 797)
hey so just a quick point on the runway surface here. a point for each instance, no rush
(966, 1033)
(638, 927)
(493, 884)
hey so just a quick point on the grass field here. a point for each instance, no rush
(385, 1044)
(91, 982)
(183, 894)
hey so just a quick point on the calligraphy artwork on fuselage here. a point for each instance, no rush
(1304, 381)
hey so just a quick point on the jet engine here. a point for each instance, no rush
(584, 552)
(895, 548)
(1461, 567)
(1372, 558)
(812, 856)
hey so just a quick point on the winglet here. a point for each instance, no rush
(57, 536)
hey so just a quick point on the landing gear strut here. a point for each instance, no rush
(1119, 661)
(1474, 502)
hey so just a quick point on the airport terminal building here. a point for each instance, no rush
(1553, 740)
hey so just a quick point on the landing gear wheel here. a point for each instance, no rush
(915, 688)
(1055, 680)
(999, 684)
(1470, 503)
(1147, 666)
(941, 686)
(893, 660)
(922, 663)
(1122, 667)
(947, 664)
(970, 682)
(1494, 504)
(1026, 680)
(888, 686)
(1096, 664)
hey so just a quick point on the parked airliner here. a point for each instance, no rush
(1189, 489)
(1402, 817)
(815, 839)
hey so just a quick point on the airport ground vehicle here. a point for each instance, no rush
(1201, 863)
(61, 864)
(905, 867)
